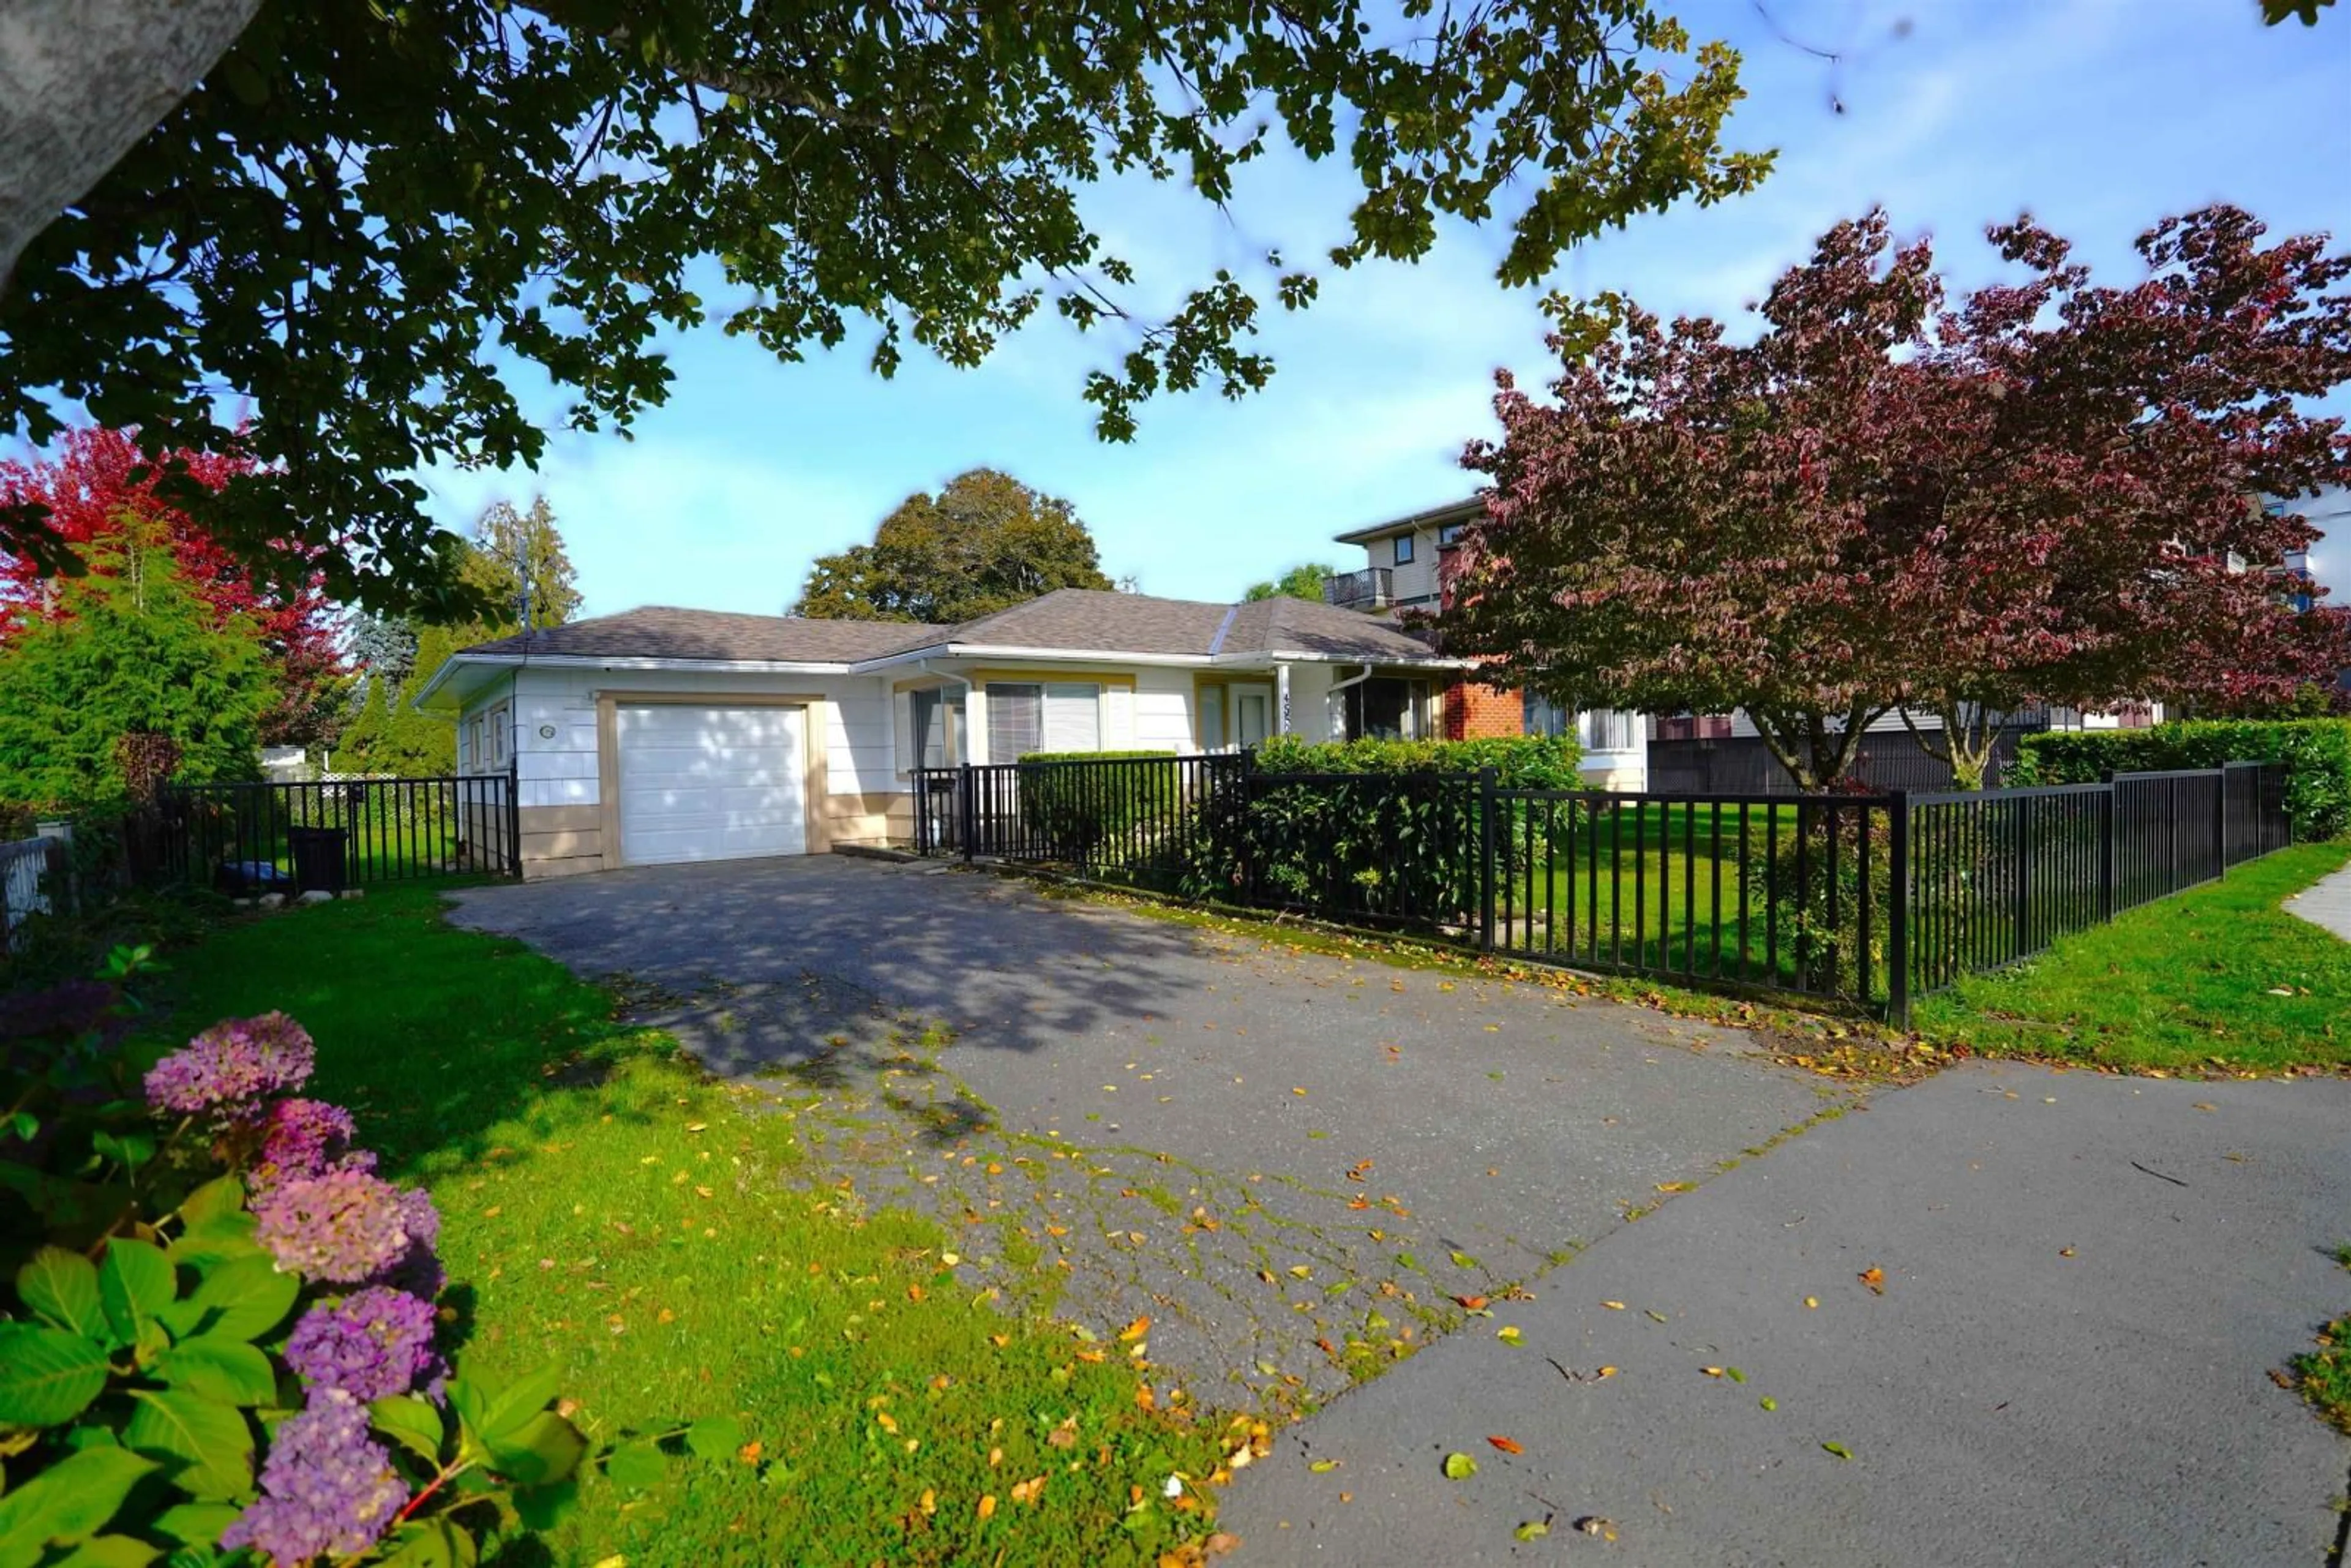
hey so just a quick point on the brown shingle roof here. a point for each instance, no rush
(664, 632)
(1071, 620)
(1086, 619)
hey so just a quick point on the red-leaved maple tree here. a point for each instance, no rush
(91, 484)
(2046, 493)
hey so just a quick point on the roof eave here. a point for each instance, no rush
(1042, 656)
(1451, 511)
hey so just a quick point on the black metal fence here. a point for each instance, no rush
(1866, 899)
(1743, 764)
(252, 838)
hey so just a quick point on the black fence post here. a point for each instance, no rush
(2110, 807)
(2022, 808)
(967, 814)
(514, 817)
(2221, 821)
(1487, 780)
(1897, 917)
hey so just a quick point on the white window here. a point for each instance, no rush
(1610, 729)
(930, 728)
(475, 745)
(1403, 550)
(1212, 718)
(1051, 716)
(501, 735)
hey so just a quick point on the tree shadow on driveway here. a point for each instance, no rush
(1298, 1165)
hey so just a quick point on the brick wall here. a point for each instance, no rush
(1473, 712)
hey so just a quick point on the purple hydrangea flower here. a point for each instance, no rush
(224, 1070)
(417, 1271)
(371, 1344)
(325, 1488)
(307, 1138)
(344, 1226)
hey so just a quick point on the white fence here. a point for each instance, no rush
(25, 884)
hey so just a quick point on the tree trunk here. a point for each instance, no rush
(1815, 752)
(80, 82)
(1969, 741)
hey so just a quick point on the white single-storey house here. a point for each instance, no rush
(662, 735)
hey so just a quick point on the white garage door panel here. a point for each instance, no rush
(710, 783)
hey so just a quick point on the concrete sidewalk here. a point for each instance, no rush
(2087, 1282)
(2326, 902)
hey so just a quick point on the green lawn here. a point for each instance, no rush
(683, 1253)
(1658, 887)
(2219, 977)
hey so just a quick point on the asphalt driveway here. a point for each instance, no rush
(1293, 1162)
(1298, 1164)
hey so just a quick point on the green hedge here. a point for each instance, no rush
(1090, 815)
(1520, 761)
(2316, 751)
(1377, 831)
(1089, 756)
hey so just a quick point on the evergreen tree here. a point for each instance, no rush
(132, 648)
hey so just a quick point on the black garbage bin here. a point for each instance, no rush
(318, 857)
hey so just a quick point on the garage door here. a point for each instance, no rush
(710, 783)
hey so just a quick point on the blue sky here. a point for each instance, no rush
(2098, 116)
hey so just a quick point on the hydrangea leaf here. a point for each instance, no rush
(412, 1423)
(637, 1465)
(47, 1375)
(543, 1507)
(219, 1367)
(216, 1199)
(66, 1503)
(510, 1410)
(135, 1282)
(715, 1437)
(62, 1287)
(244, 1298)
(110, 1552)
(196, 1524)
(207, 1444)
(435, 1542)
(223, 1238)
(547, 1447)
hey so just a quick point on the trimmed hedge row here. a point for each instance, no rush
(2316, 751)
(1086, 811)
(1520, 761)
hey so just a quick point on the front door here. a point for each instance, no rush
(1252, 714)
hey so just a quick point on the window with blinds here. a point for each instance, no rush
(1054, 716)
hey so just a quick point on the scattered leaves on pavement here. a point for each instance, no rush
(1875, 1278)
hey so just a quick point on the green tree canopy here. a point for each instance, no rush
(513, 550)
(984, 543)
(367, 224)
(1303, 581)
(135, 651)
(389, 736)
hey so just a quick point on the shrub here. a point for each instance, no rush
(1089, 816)
(1520, 761)
(2317, 752)
(1384, 830)
(222, 1330)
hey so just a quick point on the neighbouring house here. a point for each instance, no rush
(1402, 572)
(662, 734)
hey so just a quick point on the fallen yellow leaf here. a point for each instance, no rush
(987, 1506)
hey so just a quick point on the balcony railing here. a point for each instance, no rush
(1374, 588)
